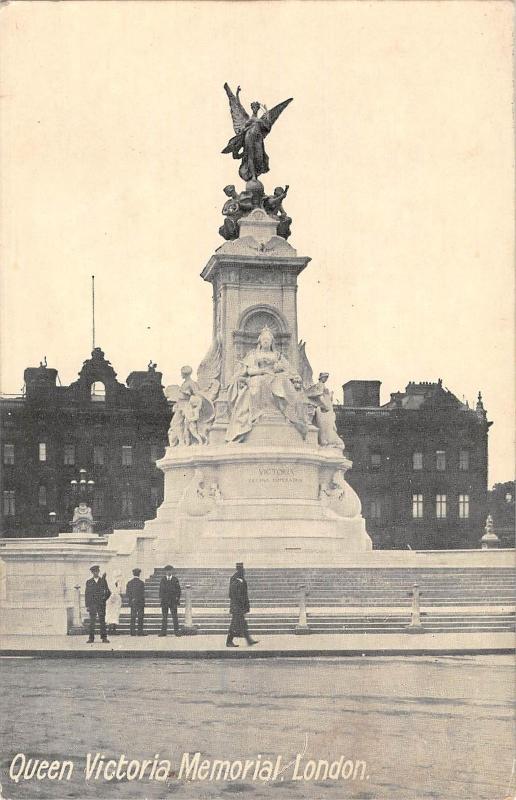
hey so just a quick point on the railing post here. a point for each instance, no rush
(415, 625)
(302, 626)
(189, 629)
(75, 624)
(77, 607)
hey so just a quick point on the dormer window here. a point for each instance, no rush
(98, 392)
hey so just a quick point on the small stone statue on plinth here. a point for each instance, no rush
(489, 540)
(82, 521)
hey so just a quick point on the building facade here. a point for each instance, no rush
(113, 432)
(419, 461)
(419, 464)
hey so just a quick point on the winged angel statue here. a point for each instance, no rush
(250, 132)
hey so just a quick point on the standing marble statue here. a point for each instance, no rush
(194, 411)
(324, 418)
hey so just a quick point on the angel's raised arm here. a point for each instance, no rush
(238, 113)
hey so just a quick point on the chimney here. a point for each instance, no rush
(362, 393)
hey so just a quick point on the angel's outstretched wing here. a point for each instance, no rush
(272, 115)
(208, 372)
(238, 113)
(305, 370)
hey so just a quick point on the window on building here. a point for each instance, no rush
(463, 506)
(417, 506)
(9, 503)
(69, 454)
(42, 451)
(155, 452)
(98, 455)
(440, 460)
(98, 392)
(375, 509)
(376, 460)
(42, 496)
(154, 493)
(417, 460)
(464, 460)
(127, 504)
(8, 453)
(440, 506)
(98, 503)
(127, 455)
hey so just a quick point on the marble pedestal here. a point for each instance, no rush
(259, 502)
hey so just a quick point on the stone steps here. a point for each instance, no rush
(354, 601)
(264, 624)
(380, 589)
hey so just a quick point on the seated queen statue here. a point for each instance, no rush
(262, 385)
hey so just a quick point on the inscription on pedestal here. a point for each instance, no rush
(276, 474)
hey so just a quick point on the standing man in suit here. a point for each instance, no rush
(239, 607)
(135, 591)
(169, 595)
(97, 592)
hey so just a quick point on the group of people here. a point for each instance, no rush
(104, 605)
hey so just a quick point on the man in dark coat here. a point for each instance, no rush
(239, 607)
(135, 591)
(97, 592)
(169, 595)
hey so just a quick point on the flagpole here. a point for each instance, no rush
(93, 310)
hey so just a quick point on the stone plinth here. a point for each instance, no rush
(39, 576)
(257, 499)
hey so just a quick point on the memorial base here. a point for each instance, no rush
(262, 503)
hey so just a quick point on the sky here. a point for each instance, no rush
(398, 150)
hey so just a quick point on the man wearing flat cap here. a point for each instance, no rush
(169, 595)
(135, 591)
(239, 607)
(97, 592)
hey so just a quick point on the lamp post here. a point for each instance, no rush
(82, 493)
(52, 516)
(82, 489)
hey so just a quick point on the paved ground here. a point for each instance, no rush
(427, 727)
(205, 646)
